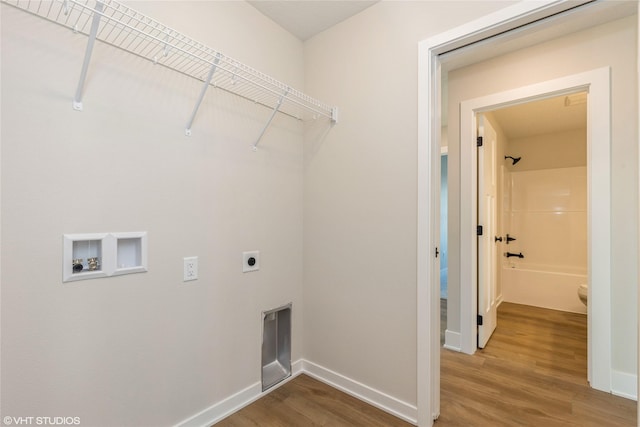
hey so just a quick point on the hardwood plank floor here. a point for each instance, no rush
(533, 372)
(304, 401)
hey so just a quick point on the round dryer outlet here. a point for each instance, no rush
(250, 261)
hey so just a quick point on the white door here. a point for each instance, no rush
(487, 242)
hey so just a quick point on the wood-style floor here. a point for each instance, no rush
(532, 373)
(303, 402)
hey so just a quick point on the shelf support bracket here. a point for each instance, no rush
(206, 85)
(334, 115)
(273, 114)
(77, 100)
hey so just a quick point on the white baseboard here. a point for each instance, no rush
(396, 407)
(624, 385)
(223, 409)
(235, 402)
(452, 340)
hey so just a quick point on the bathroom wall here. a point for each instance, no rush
(546, 201)
(143, 349)
(548, 218)
(549, 151)
(546, 211)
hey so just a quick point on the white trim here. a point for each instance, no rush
(498, 22)
(638, 166)
(297, 367)
(383, 401)
(452, 340)
(428, 316)
(624, 385)
(235, 402)
(245, 397)
(429, 65)
(223, 409)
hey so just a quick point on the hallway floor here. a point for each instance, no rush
(533, 372)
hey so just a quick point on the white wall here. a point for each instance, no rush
(144, 349)
(147, 349)
(575, 53)
(360, 192)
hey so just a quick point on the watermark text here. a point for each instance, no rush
(40, 421)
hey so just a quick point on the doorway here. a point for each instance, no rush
(598, 142)
(430, 100)
(532, 196)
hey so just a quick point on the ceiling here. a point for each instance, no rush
(306, 18)
(553, 115)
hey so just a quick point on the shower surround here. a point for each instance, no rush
(546, 211)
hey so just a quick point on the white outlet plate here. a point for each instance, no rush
(190, 268)
(250, 261)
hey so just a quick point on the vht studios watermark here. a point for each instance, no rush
(40, 421)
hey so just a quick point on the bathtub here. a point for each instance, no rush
(554, 287)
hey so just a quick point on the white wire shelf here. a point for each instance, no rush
(118, 25)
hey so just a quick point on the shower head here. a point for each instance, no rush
(514, 159)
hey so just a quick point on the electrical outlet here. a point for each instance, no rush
(250, 261)
(190, 268)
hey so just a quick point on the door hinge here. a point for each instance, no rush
(479, 141)
(479, 230)
(437, 252)
(479, 319)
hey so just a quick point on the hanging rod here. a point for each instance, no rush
(120, 26)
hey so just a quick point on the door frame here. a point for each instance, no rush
(597, 84)
(507, 22)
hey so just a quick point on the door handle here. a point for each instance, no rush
(498, 239)
(510, 254)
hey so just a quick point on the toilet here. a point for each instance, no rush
(583, 291)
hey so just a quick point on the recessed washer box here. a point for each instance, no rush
(83, 256)
(131, 252)
(95, 255)
(250, 261)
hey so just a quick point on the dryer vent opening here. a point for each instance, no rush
(276, 346)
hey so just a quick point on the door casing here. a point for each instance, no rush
(508, 23)
(596, 83)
